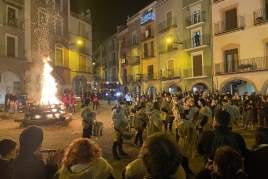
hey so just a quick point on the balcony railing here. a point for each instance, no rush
(13, 22)
(10, 51)
(16, 2)
(166, 74)
(133, 41)
(229, 25)
(135, 60)
(167, 24)
(168, 47)
(260, 16)
(195, 72)
(217, 1)
(196, 41)
(240, 66)
(194, 19)
(148, 34)
(149, 76)
(134, 78)
(82, 33)
(84, 68)
(111, 48)
(84, 50)
(111, 63)
(113, 78)
(148, 53)
(104, 52)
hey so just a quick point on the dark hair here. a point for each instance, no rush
(261, 136)
(156, 106)
(202, 101)
(30, 139)
(157, 145)
(264, 97)
(122, 102)
(6, 146)
(229, 163)
(222, 117)
(184, 113)
(142, 105)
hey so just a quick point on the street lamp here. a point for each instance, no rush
(170, 41)
(79, 42)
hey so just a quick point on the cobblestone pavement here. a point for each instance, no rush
(59, 137)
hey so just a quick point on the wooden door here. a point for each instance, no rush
(197, 65)
(170, 71)
(231, 19)
(10, 46)
(150, 70)
(169, 18)
(231, 60)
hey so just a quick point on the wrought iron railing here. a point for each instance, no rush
(195, 72)
(167, 24)
(133, 41)
(240, 66)
(147, 34)
(149, 76)
(170, 73)
(11, 51)
(84, 68)
(195, 18)
(196, 41)
(135, 60)
(148, 53)
(20, 2)
(229, 25)
(260, 16)
(112, 63)
(13, 21)
(82, 33)
(167, 47)
(111, 48)
(217, 1)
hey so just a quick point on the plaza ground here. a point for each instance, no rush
(59, 137)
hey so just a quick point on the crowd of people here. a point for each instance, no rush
(203, 124)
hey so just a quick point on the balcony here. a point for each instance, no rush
(194, 20)
(82, 33)
(149, 76)
(15, 2)
(148, 34)
(167, 25)
(260, 16)
(84, 69)
(135, 60)
(113, 78)
(134, 78)
(84, 50)
(104, 52)
(149, 53)
(242, 66)
(229, 25)
(112, 63)
(196, 72)
(13, 22)
(9, 51)
(111, 48)
(168, 47)
(196, 42)
(168, 74)
(133, 41)
(217, 1)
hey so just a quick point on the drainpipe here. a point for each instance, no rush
(211, 48)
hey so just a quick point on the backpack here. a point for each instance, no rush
(220, 140)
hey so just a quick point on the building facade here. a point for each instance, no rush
(13, 61)
(80, 52)
(240, 45)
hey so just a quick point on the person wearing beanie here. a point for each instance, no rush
(28, 164)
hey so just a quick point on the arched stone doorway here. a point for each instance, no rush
(136, 89)
(79, 85)
(172, 88)
(10, 82)
(151, 90)
(199, 87)
(264, 89)
(239, 86)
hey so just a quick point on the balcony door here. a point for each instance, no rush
(11, 43)
(266, 8)
(150, 70)
(231, 19)
(231, 57)
(148, 31)
(169, 43)
(170, 71)
(82, 28)
(169, 18)
(82, 63)
(11, 16)
(197, 65)
(196, 16)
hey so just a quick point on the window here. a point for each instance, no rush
(59, 56)
(150, 70)
(169, 18)
(231, 60)
(82, 29)
(266, 46)
(170, 41)
(148, 31)
(231, 19)
(197, 65)
(134, 38)
(59, 29)
(170, 66)
(82, 48)
(82, 63)
(196, 37)
(11, 46)
(11, 16)
(42, 19)
(196, 16)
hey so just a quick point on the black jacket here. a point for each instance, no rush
(205, 140)
(5, 168)
(31, 166)
(256, 164)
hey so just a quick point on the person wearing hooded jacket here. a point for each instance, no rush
(155, 124)
(120, 123)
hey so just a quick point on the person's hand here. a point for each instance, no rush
(55, 158)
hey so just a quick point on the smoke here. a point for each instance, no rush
(44, 34)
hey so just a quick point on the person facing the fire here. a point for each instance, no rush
(12, 101)
(87, 120)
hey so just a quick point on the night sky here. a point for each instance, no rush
(107, 14)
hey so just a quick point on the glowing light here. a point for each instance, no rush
(168, 40)
(49, 88)
(79, 42)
